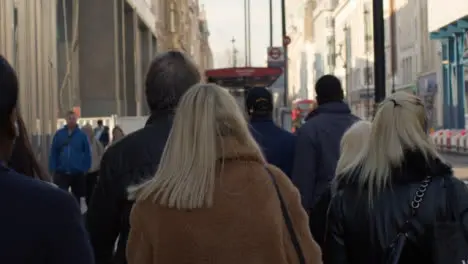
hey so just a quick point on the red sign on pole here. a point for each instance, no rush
(286, 40)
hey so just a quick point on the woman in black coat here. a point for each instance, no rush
(398, 178)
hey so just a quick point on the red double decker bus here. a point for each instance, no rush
(239, 80)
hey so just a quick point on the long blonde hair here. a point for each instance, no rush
(399, 125)
(354, 140)
(207, 115)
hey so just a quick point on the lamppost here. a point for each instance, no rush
(379, 50)
(234, 53)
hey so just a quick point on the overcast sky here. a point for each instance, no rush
(226, 20)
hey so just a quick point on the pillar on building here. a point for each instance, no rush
(113, 54)
(99, 57)
(452, 37)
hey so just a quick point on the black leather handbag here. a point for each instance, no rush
(450, 243)
(394, 251)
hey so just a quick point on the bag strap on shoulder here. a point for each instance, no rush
(288, 221)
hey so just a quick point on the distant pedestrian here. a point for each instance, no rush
(214, 198)
(101, 132)
(397, 201)
(136, 156)
(117, 134)
(40, 223)
(97, 151)
(277, 144)
(70, 158)
(318, 142)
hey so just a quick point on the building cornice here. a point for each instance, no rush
(145, 14)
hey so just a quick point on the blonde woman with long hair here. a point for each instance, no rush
(397, 178)
(354, 140)
(213, 198)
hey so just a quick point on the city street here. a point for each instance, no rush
(459, 163)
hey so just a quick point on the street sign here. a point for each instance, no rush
(275, 56)
(286, 40)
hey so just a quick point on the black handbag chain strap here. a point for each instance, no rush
(287, 220)
(415, 204)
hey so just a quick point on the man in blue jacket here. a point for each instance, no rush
(70, 157)
(277, 144)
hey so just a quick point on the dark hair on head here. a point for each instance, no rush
(8, 98)
(99, 122)
(259, 102)
(70, 112)
(23, 159)
(170, 75)
(328, 89)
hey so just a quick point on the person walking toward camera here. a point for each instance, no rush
(70, 159)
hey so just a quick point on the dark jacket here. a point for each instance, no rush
(277, 144)
(358, 236)
(126, 162)
(70, 153)
(104, 136)
(318, 149)
(40, 223)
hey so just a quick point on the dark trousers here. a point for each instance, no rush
(91, 180)
(75, 181)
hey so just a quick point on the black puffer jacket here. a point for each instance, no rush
(359, 234)
(126, 162)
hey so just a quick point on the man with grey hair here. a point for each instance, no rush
(136, 156)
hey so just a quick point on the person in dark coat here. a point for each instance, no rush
(101, 133)
(376, 189)
(136, 156)
(318, 141)
(318, 151)
(40, 223)
(277, 144)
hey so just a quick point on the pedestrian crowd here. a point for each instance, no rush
(201, 183)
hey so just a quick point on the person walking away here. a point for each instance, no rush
(40, 223)
(277, 144)
(23, 160)
(70, 158)
(117, 134)
(136, 156)
(354, 141)
(398, 178)
(97, 150)
(213, 175)
(101, 133)
(318, 141)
